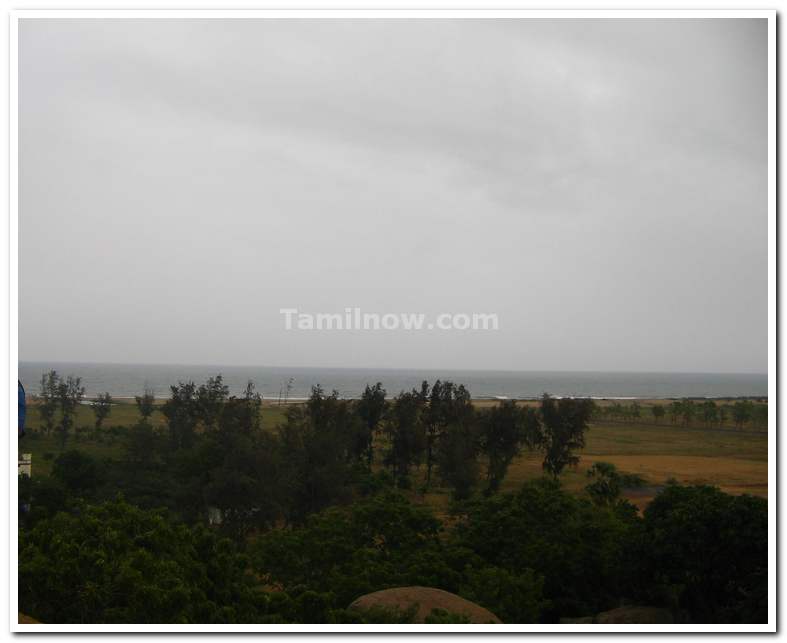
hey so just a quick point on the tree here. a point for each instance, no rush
(141, 448)
(245, 486)
(40, 497)
(102, 407)
(70, 393)
(377, 542)
(504, 429)
(406, 436)
(243, 413)
(687, 411)
(564, 424)
(190, 405)
(742, 412)
(244, 468)
(760, 415)
(658, 412)
(182, 414)
(608, 483)
(710, 412)
(444, 404)
(315, 446)
(512, 595)
(146, 403)
(48, 399)
(211, 398)
(457, 458)
(78, 471)
(606, 486)
(288, 389)
(581, 551)
(674, 411)
(708, 552)
(371, 408)
(116, 563)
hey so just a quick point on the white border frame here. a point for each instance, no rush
(24, 14)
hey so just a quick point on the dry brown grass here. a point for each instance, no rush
(735, 461)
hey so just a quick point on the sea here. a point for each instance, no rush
(274, 383)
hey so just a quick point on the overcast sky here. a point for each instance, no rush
(600, 185)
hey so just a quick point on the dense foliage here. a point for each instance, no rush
(583, 553)
(116, 563)
(222, 521)
(707, 554)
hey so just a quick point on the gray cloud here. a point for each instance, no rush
(601, 185)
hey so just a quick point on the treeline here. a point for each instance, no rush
(215, 454)
(688, 412)
(320, 509)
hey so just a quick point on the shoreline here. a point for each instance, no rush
(652, 399)
(126, 382)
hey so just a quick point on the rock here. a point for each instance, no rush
(582, 620)
(428, 599)
(635, 614)
(631, 614)
(24, 619)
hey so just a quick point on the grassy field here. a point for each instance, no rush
(734, 460)
(125, 413)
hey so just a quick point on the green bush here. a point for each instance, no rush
(79, 472)
(706, 552)
(382, 541)
(582, 551)
(116, 563)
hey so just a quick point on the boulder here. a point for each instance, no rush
(636, 615)
(631, 614)
(24, 619)
(427, 599)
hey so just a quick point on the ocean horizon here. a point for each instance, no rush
(128, 380)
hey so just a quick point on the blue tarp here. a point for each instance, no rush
(22, 409)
